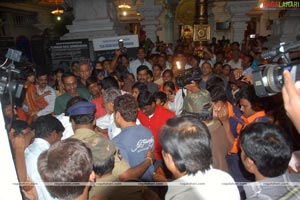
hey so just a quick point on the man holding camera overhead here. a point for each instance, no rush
(141, 54)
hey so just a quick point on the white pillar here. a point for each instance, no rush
(239, 18)
(220, 15)
(285, 29)
(169, 26)
(150, 12)
(93, 19)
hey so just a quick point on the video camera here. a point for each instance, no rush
(185, 77)
(9, 81)
(268, 79)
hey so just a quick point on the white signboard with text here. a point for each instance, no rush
(130, 41)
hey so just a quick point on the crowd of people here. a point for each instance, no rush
(187, 116)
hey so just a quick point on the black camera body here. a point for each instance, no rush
(186, 76)
(122, 48)
(268, 79)
(9, 75)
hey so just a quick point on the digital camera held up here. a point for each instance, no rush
(122, 48)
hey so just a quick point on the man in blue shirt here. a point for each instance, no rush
(135, 141)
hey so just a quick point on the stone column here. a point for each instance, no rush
(150, 12)
(285, 29)
(169, 26)
(93, 19)
(219, 15)
(238, 11)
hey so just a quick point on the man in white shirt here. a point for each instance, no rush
(236, 61)
(133, 65)
(48, 130)
(246, 64)
(107, 121)
(42, 86)
(186, 145)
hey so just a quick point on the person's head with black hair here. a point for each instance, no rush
(42, 79)
(29, 74)
(23, 129)
(217, 93)
(137, 88)
(125, 109)
(247, 61)
(142, 73)
(218, 68)
(67, 161)
(150, 77)
(146, 102)
(226, 69)
(99, 73)
(70, 83)
(194, 61)
(74, 67)
(157, 69)
(170, 90)
(94, 87)
(109, 82)
(168, 75)
(58, 73)
(249, 102)
(119, 76)
(206, 69)
(186, 145)
(160, 98)
(124, 60)
(213, 82)
(49, 128)
(84, 70)
(266, 150)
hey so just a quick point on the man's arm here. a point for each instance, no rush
(18, 144)
(291, 99)
(138, 171)
(50, 108)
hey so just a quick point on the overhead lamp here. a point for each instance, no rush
(124, 6)
(57, 11)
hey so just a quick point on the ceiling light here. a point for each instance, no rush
(124, 6)
(57, 11)
(261, 5)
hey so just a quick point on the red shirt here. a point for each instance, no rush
(100, 110)
(158, 120)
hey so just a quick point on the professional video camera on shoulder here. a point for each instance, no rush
(122, 48)
(9, 81)
(268, 79)
(185, 76)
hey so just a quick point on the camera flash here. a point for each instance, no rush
(178, 65)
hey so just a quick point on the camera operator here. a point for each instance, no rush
(120, 60)
(291, 99)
